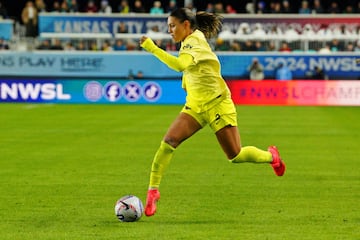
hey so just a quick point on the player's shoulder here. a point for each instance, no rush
(193, 40)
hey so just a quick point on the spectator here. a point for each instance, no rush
(357, 47)
(105, 7)
(271, 47)
(219, 8)
(244, 29)
(250, 8)
(132, 45)
(64, 7)
(56, 45)
(40, 6)
(286, 8)
(283, 73)
(350, 47)
(81, 46)
(336, 45)
(106, 46)
(93, 46)
(256, 70)
(91, 7)
(272, 7)
(318, 74)
(139, 75)
(157, 9)
(308, 31)
(356, 32)
(124, 7)
(324, 32)
(248, 46)
(235, 46)
(221, 45)
(44, 45)
(261, 7)
(229, 9)
(138, 7)
(210, 8)
(3, 11)
(291, 34)
(276, 8)
(325, 49)
(69, 46)
(56, 7)
(349, 9)
(119, 45)
(274, 32)
(122, 28)
(191, 6)
(73, 6)
(154, 31)
(29, 16)
(341, 32)
(3, 44)
(284, 47)
(259, 46)
(334, 8)
(318, 8)
(172, 6)
(259, 31)
(304, 9)
(226, 33)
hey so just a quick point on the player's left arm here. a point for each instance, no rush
(176, 63)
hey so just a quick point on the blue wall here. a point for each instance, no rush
(119, 64)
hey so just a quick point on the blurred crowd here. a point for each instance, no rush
(166, 6)
(250, 37)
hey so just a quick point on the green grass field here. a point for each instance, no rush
(62, 168)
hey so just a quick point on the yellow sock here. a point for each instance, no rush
(161, 161)
(252, 154)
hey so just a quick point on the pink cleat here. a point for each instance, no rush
(153, 196)
(277, 164)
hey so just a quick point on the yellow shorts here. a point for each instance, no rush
(219, 116)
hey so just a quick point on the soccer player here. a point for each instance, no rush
(208, 99)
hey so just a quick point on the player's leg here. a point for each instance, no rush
(182, 128)
(229, 140)
(224, 123)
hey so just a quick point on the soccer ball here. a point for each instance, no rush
(129, 208)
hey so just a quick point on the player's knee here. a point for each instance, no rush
(172, 141)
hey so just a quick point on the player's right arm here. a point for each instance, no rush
(176, 63)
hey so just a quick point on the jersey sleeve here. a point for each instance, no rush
(176, 63)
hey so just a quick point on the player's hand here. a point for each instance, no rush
(142, 39)
(148, 44)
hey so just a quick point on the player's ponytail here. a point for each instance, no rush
(208, 23)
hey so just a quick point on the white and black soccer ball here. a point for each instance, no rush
(129, 208)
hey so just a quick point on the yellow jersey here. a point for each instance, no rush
(202, 80)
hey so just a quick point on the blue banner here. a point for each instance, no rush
(335, 65)
(85, 23)
(123, 64)
(140, 23)
(84, 65)
(6, 29)
(92, 91)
